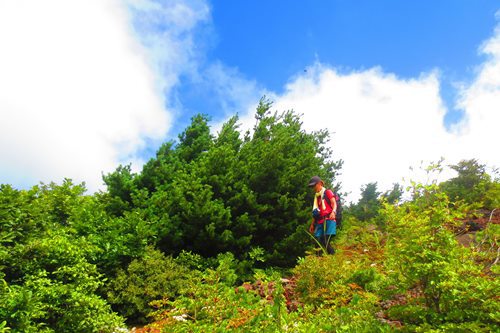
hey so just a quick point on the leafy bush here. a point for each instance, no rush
(150, 278)
(118, 240)
(210, 302)
(423, 254)
(364, 277)
(61, 301)
(52, 287)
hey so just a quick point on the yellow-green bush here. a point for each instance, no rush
(150, 278)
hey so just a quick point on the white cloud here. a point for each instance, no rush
(479, 133)
(381, 125)
(235, 93)
(168, 31)
(78, 92)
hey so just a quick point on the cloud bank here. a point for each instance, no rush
(478, 131)
(86, 85)
(381, 125)
(80, 92)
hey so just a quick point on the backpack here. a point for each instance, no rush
(338, 214)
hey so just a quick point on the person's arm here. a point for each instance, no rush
(311, 227)
(333, 203)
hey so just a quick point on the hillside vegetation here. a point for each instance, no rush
(211, 236)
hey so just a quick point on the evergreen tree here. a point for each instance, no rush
(368, 205)
(394, 195)
(471, 183)
(211, 194)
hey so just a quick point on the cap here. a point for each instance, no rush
(314, 180)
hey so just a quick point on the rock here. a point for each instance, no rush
(466, 239)
(182, 317)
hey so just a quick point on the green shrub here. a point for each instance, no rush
(53, 287)
(46, 304)
(423, 253)
(364, 277)
(409, 314)
(150, 278)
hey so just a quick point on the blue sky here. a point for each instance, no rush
(87, 85)
(271, 41)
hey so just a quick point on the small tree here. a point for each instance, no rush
(423, 253)
(369, 204)
(471, 183)
(393, 195)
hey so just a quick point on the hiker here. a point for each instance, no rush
(323, 225)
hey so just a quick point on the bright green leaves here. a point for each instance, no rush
(54, 288)
(424, 255)
(153, 277)
(51, 282)
(121, 183)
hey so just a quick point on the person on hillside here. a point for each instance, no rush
(323, 225)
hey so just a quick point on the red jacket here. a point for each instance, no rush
(328, 196)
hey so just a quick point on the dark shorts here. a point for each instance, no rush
(329, 228)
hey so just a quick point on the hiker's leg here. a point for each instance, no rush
(319, 251)
(319, 235)
(328, 245)
(330, 232)
(323, 242)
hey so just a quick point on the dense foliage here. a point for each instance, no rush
(473, 185)
(413, 277)
(50, 279)
(211, 194)
(211, 236)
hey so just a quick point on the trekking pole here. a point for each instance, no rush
(317, 240)
(324, 236)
